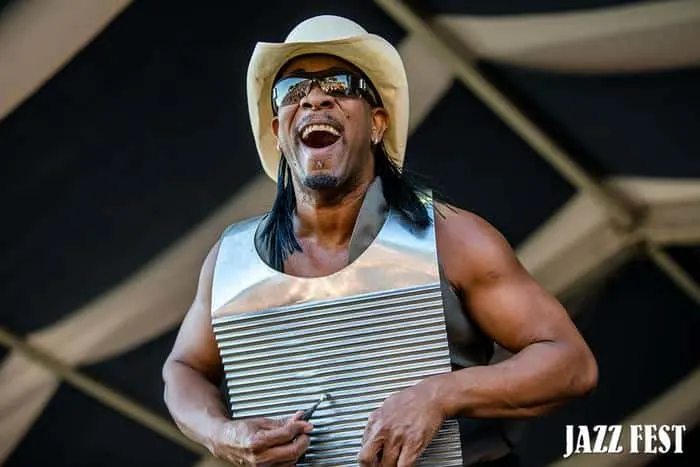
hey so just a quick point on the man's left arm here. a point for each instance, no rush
(551, 363)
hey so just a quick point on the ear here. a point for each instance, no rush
(380, 122)
(275, 126)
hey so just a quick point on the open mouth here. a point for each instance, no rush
(319, 135)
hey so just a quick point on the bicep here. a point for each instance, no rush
(195, 345)
(516, 311)
(502, 298)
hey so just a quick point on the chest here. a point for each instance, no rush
(316, 261)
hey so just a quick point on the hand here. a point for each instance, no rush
(262, 442)
(398, 432)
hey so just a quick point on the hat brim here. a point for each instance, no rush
(372, 54)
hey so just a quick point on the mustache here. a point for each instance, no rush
(322, 118)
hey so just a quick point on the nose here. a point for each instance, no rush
(316, 99)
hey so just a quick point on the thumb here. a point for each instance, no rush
(296, 419)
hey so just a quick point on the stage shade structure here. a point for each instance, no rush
(570, 126)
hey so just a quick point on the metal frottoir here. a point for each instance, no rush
(359, 335)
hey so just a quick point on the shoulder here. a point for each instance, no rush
(236, 228)
(470, 248)
(243, 225)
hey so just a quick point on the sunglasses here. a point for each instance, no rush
(292, 89)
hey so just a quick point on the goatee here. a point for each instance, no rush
(320, 182)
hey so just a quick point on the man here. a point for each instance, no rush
(329, 111)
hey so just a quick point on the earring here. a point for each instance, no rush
(278, 146)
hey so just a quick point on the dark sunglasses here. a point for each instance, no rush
(292, 89)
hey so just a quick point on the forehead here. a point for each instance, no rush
(314, 63)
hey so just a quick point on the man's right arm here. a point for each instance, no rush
(193, 369)
(192, 373)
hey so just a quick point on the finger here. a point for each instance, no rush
(369, 429)
(284, 434)
(296, 418)
(369, 452)
(390, 454)
(409, 455)
(367, 434)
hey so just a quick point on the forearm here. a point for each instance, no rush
(193, 401)
(540, 377)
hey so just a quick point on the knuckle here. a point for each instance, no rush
(292, 429)
(365, 458)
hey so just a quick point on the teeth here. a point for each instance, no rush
(319, 127)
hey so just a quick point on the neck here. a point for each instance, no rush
(329, 218)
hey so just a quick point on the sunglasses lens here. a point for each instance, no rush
(290, 91)
(337, 85)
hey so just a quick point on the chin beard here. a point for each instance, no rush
(320, 182)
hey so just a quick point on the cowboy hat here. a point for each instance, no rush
(334, 35)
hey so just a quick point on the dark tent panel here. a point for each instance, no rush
(622, 124)
(688, 257)
(482, 166)
(137, 373)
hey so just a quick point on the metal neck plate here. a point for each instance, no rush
(399, 257)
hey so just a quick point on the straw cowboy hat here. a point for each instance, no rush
(338, 36)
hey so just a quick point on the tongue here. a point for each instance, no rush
(320, 139)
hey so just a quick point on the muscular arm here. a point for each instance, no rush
(192, 370)
(552, 363)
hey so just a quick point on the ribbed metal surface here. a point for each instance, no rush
(360, 350)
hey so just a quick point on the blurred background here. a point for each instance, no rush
(572, 126)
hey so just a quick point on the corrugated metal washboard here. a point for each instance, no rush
(357, 349)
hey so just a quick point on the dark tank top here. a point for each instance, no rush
(469, 346)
